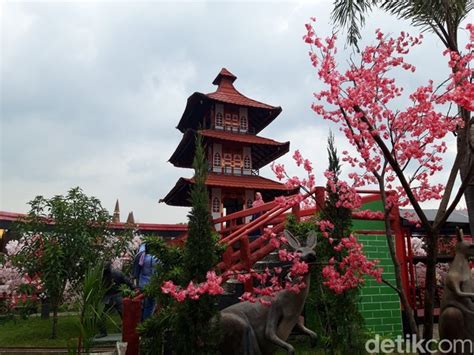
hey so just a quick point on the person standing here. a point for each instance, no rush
(257, 203)
(112, 280)
(258, 200)
(146, 267)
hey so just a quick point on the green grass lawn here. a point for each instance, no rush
(35, 332)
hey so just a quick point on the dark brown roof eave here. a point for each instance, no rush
(262, 123)
(177, 157)
(170, 197)
(277, 153)
(195, 99)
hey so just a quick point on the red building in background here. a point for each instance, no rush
(229, 123)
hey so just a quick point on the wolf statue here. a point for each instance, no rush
(254, 329)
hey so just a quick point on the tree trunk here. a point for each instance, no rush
(430, 283)
(464, 146)
(396, 264)
(469, 198)
(54, 330)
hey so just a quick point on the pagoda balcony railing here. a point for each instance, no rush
(231, 170)
(235, 129)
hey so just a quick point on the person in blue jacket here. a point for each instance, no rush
(146, 267)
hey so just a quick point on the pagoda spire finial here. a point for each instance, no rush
(116, 216)
(224, 76)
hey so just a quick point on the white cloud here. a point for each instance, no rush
(91, 91)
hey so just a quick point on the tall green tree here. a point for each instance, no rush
(443, 18)
(62, 237)
(195, 332)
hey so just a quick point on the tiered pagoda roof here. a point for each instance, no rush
(264, 150)
(235, 152)
(269, 188)
(198, 104)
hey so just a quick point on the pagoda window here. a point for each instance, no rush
(244, 124)
(217, 159)
(216, 205)
(237, 162)
(219, 120)
(247, 162)
(228, 121)
(235, 122)
(217, 163)
(228, 163)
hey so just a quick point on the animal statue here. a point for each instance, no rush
(253, 328)
(456, 320)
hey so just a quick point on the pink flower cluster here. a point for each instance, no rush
(301, 161)
(325, 227)
(420, 275)
(272, 278)
(273, 238)
(368, 214)
(461, 88)
(269, 279)
(11, 277)
(350, 271)
(307, 183)
(211, 286)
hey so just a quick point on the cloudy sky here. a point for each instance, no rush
(91, 91)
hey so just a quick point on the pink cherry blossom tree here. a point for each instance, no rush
(350, 271)
(397, 149)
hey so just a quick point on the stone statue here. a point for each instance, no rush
(456, 320)
(253, 328)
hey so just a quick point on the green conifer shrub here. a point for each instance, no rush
(334, 317)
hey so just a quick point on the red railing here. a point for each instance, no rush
(236, 231)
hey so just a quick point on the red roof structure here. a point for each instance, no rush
(224, 73)
(227, 93)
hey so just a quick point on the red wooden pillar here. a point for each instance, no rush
(245, 257)
(400, 247)
(320, 193)
(296, 211)
(132, 312)
(227, 257)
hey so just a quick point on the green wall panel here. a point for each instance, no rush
(379, 304)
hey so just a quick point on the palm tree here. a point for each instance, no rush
(443, 18)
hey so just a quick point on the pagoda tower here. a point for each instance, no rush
(229, 123)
